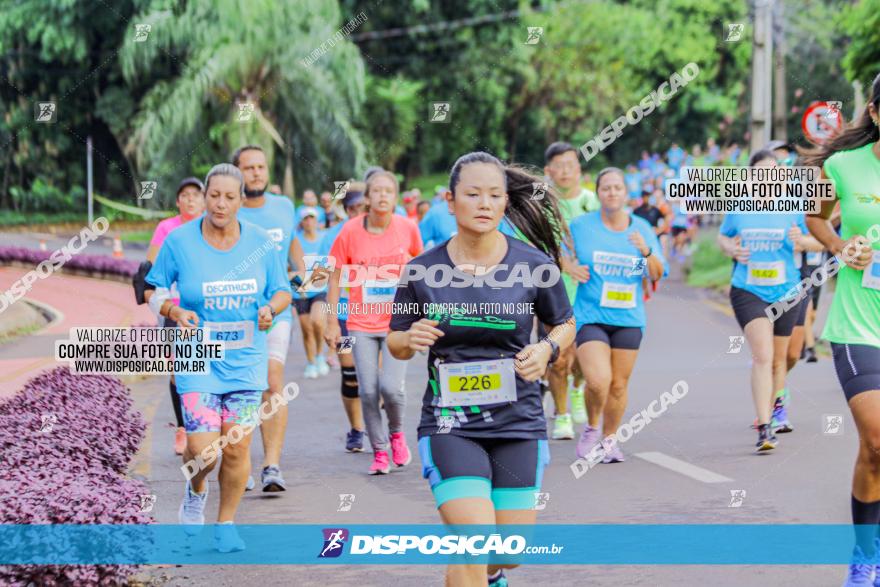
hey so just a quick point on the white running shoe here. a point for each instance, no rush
(192, 510)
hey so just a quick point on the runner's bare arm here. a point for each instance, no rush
(332, 331)
(420, 337)
(531, 362)
(295, 259)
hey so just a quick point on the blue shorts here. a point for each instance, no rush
(506, 471)
(206, 412)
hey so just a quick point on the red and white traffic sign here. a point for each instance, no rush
(821, 121)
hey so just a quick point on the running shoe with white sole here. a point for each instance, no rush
(780, 422)
(578, 407)
(400, 454)
(562, 427)
(381, 465)
(589, 438)
(766, 439)
(613, 454)
(250, 483)
(860, 572)
(272, 480)
(321, 364)
(192, 510)
(354, 441)
(226, 538)
(311, 371)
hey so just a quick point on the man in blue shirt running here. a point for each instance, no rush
(275, 214)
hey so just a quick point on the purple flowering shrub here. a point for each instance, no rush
(91, 263)
(66, 442)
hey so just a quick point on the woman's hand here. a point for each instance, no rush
(423, 334)
(638, 241)
(739, 252)
(332, 333)
(184, 318)
(264, 317)
(857, 253)
(794, 235)
(531, 362)
(580, 273)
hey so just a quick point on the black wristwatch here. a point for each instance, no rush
(650, 252)
(554, 349)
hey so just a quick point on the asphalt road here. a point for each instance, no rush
(680, 469)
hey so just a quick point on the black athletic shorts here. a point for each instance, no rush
(814, 295)
(858, 367)
(747, 306)
(617, 337)
(802, 310)
(677, 230)
(304, 306)
(507, 471)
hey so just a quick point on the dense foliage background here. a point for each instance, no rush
(168, 106)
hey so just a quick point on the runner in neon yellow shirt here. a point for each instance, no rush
(851, 160)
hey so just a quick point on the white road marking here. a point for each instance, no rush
(682, 467)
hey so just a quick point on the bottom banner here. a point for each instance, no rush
(555, 544)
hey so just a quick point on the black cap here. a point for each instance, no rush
(190, 181)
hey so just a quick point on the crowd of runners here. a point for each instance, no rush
(339, 261)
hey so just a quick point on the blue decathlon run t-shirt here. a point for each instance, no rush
(310, 248)
(770, 273)
(483, 323)
(275, 216)
(613, 294)
(226, 290)
(438, 225)
(326, 244)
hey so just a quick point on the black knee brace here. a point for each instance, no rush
(349, 377)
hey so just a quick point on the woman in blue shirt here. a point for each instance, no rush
(762, 247)
(617, 252)
(228, 285)
(310, 305)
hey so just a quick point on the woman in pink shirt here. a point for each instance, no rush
(190, 204)
(369, 253)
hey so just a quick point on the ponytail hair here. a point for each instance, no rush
(859, 134)
(539, 220)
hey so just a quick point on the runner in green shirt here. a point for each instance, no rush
(851, 160)
(562, 166)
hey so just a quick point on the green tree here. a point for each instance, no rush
(61, 51)
(227, 54)
(861, 22)
(392, 110)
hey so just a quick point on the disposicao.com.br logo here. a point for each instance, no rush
(451, 544)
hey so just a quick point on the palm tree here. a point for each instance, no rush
(230, 53)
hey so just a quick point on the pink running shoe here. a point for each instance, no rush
(399, 450)
(590, 437)
(380, 464)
